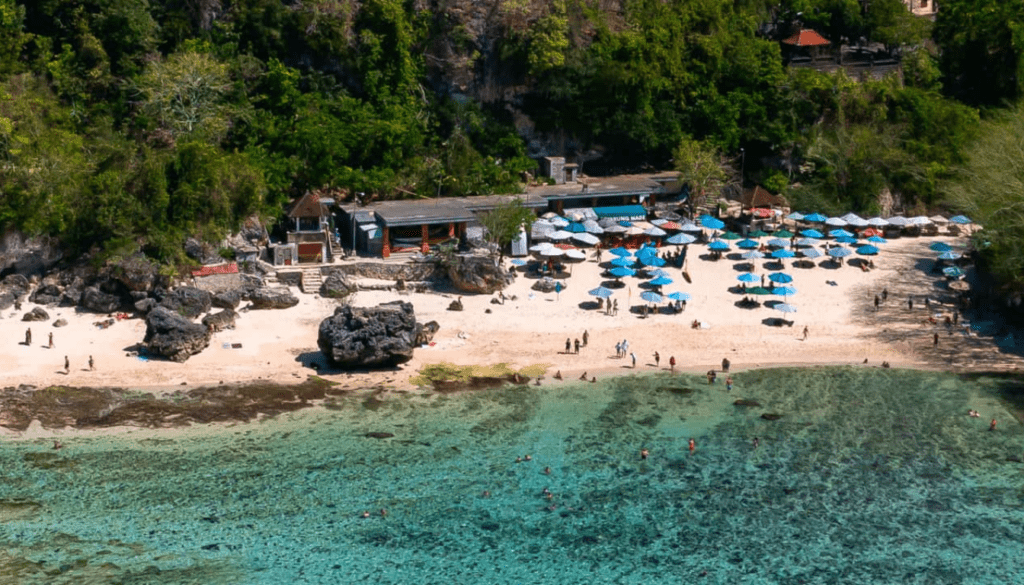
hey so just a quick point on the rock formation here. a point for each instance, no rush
(36, 314)
(47, 294)
(93, 299)
(337, 286)
(220, 321)
(170, 335)
(477, 273)
(379, 336)
(228, 299)
(272, 298)
(190, 302)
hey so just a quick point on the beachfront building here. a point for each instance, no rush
(805, 47)
(922, 7)
(309, 229)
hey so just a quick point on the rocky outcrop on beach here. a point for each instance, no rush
(477, 273)
(220, 321)
(135, 272)
(272, 298)
(170, 335)
(228, 299)
(47, 294)
(369, 337)
(12, 288)
(27, 256)
(36, 314)
(546, 285)
(93, 299)
(190, 302)
(337, 286)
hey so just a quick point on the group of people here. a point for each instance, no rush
(50, 345)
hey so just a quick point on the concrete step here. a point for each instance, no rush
(311, 280)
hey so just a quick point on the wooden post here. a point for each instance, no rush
(425, 237)
(386, 250)
(451, 229)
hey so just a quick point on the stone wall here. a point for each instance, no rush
(408, 271)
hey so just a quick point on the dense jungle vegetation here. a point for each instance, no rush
(131, 124)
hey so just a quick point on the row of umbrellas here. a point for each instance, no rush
(857, 221)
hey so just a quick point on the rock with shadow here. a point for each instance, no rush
(272, 298)
(370, 337)
(36, 314)
(97, 301)
(220, 321)
(172, 336)
(477, 273)
(228, 299)
(187, 301)
(47, 294)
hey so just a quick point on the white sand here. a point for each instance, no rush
(528, 331)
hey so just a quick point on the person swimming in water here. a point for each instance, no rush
(583, 376)
(558, 375)
(644, 453)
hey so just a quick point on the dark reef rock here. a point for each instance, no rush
(379, 435)
(220, 321)
(272, 298)
(337, 286)
(187, 301)
(170, 335)
(135, 272)
(228, 299)
(455, 305)
(477, 273)
(771, 416)
(47, 294)
(746, 402)
(144, 306)
(36, 314)
(99, 302)
(62, 322)
(379, 336)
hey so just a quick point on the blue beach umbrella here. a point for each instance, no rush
(718, 245)
(815, 218)
(785, 308)
(940, 247)
(812, 234)
(780, 277)
(878, 240)
(625, 223)
(748, 277)
(680, 239)
(949, 256)
(846, 240)
(602, 292)
(730, 236)
(810, 253)
(518, 262)
(621, 271)
(657, 272)
(953, 272)
(783, 253)
(840, 233)
(678, 296)
(868, 250)
(778, 243)
(651, 260)
(784, 291)
(747, 244)
(623, 261)
(807, 242)
(960, 219)
(711, 223)
(752, 255)
(839, 252)
(620, 251)
(661, 281)
(575, 228)
(795, 216)
(651, 296)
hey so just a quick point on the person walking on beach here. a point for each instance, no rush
(885, 294)
(576, 345)
(672, 364)
(877, 302)
(67, 366)
(568, 345)
(728, 384)
(625, 347)
(618, 349)
(586, 338)
(992, 425)
(28, 336)
(51, 340)
(935, 340)
(910, 303)
(633, 357)
(725, 365)
(806, 331)
(657, 359)
(92, 364)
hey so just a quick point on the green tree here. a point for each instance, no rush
(704, 169)
(184, 93)
(982, 44)
(504, 223)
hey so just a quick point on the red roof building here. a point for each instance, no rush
(807, 38)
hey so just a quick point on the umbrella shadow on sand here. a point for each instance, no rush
(776, 322)
(613, 284)
(830, 264)
(590, 305)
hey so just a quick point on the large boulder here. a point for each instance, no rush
(272, 298)
(135, 272)
(93, 299)
(477, 273)
(170, 335)
(381, 336)
(187, 301)
(202, 252)
(228, 299)
(6, 300)
(36, 314)
(220, 321)
(47, 294)
(17, 284)
(28, 256)
(337, 286)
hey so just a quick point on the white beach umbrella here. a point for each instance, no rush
(593, 227)
(634, 231)
(835, 221)
(541, 246)
(587, 239)
(559, 222)
(654, 231)
(560, 235)
(552, 252)
(878, 222)
(938, 219)
(690, 227)
(658, 221)
(919, 220)
(899, 220)
(576, 255)
(855, 220)
(615, 229)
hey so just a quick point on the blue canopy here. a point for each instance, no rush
(651, 260)
(602, 292)
(625, 223)
(678, 296)
(810, 253)
(747, 277)
(718, 245)
(953, 271)
(680, 239)
(661, 281)
(635, 212)
(839, 252)
(623, 261)
(846, 240)
(651, 296)
(646, 251)
(796, 216)
(785, 308)
(780, 277)
(747, 244)
(840, 233)
(878, 240)
(940, 247)
(711, 223)
(815, 217)
(620, 271)
(575, 228)
(949, 256)
(960, 219)
(812, 234)
(518, 262)
(784, 290)
(783, 253)
(867, 250)
(620, 251)
(778, 243)
(657, 272)
(752, 255)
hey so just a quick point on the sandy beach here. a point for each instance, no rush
(835, 304)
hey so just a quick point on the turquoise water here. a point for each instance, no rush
(870, 476)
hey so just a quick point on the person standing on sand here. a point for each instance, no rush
(877, 302)
(672, 364)
(568, 345)
(576, 345)
(725, 365)
(657, 359)
(806, 331)
(28, 336)
(586, 338)
(51, 340)
(67, 366)
(885, 294)
(91, 364)
(935, 340)
(910, 303)
(633, 357)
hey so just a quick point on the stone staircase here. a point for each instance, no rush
(311, 280)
